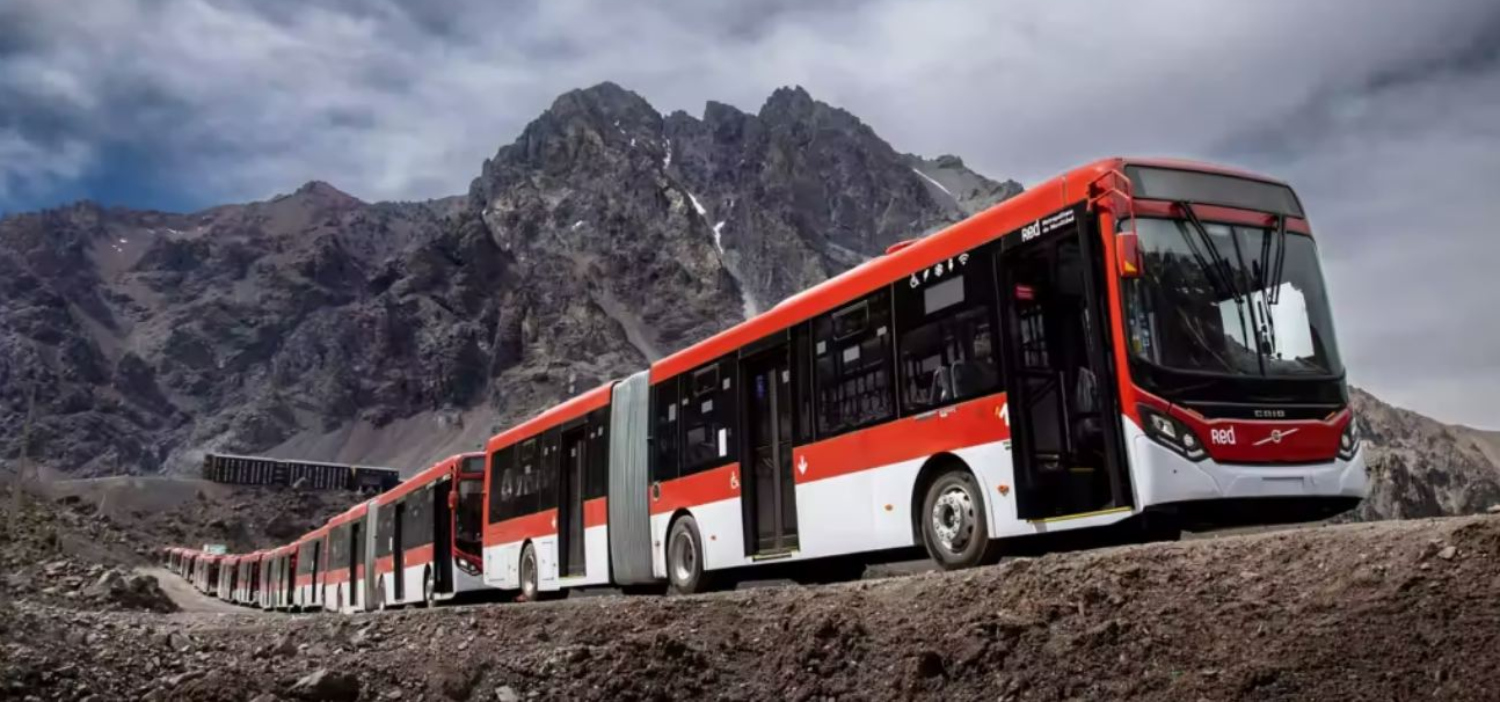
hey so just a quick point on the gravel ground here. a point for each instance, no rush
(1391, 610)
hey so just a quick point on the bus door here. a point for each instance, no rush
(1062, 408)
(570, 501)
(768, 490)
(442, 537)
(398, 550)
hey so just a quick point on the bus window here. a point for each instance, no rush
(502, 484)
(852, 353)
(708, 418)
(548, 469)
(597, 482)
(948, 341)
(665, 435)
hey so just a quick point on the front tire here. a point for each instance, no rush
(954, 528)
(529, 587)
(429, 591)
(685, 573)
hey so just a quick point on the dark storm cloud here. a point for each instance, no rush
(1382, 114)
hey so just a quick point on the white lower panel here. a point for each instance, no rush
(502, 566)
(595, 559)
(868, 510)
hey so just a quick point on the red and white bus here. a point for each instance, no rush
(1131, 349)
(311, 560)
(343, 582)
(426, 534)
(1145, 345)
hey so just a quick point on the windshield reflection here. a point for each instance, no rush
(1230, 300)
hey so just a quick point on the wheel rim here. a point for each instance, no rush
(528, 575)
(684, 557)
(953, 519)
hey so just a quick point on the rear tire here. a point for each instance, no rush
(685, 573)
(954, 528)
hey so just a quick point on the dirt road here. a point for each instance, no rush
(1392, 610)
(187, 597)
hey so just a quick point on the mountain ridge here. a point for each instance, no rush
(314, 323)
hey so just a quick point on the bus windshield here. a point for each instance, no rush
(1229, 300)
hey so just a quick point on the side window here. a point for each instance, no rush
(384, 526)
(708, 417)
(527, 478)
(802, 361)
(665, 430)
(502, 484)
(949, 345)
(596, 476)
(550, 467)
(852, 365)
(492, 487)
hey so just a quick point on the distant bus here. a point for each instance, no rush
(1132, 349)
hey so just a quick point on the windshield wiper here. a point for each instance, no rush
(1223, 284)
(1270, 280)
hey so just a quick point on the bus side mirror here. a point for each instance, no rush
(1128, 254)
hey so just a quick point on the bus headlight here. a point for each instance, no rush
(1173, 434)
(1349, 439)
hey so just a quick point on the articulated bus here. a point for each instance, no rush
(1130, 350)
(426, 534)
(1141, 345)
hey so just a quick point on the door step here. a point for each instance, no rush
(775, 555)
(1081, 515)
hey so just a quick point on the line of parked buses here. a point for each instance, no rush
(1131, 349)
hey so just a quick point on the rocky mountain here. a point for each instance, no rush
(317, 325)
(1423, 468)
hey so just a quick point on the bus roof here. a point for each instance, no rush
(349, 515)
(559, 414)
(428, 475)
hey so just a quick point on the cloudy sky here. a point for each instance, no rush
(1387, 120)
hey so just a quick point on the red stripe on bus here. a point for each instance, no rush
(965, 424)
(419, 555)
(595, 512)
(720, 483)
(516, 529)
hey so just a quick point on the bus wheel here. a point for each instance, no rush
(529, 588)
(685, 574)
(429, 591)
(954, 528)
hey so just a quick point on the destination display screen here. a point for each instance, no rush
(1213, 189)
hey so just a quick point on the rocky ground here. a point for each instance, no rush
(78, 544)
(1387, 610)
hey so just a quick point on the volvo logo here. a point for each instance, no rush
(1270, 414)
(1276, 436)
